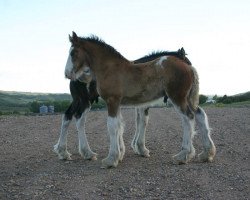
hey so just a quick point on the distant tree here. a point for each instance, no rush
(64, 105)
(202, 99)
(101, 104)
(61, 106)
(34, 106)
(15, 112)
(225, 99)
(215, 97)
(235, 98)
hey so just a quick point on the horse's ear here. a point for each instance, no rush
(74, 35)
(74, 38)
(70, 38)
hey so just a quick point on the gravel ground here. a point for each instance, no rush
(31, 170)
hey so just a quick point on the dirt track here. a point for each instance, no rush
(31, 170)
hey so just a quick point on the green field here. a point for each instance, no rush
(19, 101)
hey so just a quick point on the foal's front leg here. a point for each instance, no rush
(84, 148)
(114, 149)
(61, 147)
(114, 131)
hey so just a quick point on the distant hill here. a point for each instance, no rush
(18, 101)
(234, 98)
(23, 102)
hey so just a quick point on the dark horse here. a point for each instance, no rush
(84, 95)
(121, 82)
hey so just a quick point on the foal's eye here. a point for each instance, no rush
(87, 71)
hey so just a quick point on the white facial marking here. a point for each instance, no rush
(161, 60)
(69, 65)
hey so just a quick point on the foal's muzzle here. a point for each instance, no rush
(70, 75)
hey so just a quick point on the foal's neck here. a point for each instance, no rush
(102, 58)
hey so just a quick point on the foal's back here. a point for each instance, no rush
(167, 75)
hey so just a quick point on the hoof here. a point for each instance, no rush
(183, 157)
(122, 153)
(207, 155)
(121, 157)
(109, 163)
(88, 155)
(62, 153)
(144, 152)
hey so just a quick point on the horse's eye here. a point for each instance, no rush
(87, 71)
(72, 53)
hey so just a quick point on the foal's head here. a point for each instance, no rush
(77, 66)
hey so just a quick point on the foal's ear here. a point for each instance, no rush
(74, 35)
(74, 38)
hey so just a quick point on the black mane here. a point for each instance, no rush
(152, 56)
(156, 54)
(96, 40)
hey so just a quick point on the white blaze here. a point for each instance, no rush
(69, 65)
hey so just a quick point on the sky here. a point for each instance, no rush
(34, 41)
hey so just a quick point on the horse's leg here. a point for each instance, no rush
(61, 147)
(139, 139)
(209, 149)
(114, 130)
(137, 130)
(84, 148)
(121, 142)
(188, 123)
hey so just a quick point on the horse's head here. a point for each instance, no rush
(77, 66)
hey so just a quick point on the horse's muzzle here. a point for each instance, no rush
(70, 75)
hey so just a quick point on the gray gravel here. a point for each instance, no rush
(31, 170)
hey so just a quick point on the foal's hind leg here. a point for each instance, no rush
(137, 130)
(138, 143)
(187, 150)
(61, 147)
(209, 149)
(84, 148)
(121, 141)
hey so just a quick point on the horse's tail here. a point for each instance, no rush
(193, 97)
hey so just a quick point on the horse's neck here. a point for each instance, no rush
(102, 56)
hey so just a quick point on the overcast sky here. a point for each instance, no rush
(34, 38)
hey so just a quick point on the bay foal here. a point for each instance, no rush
(84, 95)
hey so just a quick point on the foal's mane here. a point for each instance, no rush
(156, 54)
(96, 40)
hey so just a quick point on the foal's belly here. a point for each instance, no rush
(142, 98)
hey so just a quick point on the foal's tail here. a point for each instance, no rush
(193, 97)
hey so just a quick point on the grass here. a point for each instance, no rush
(17, 102)
(242, 104)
